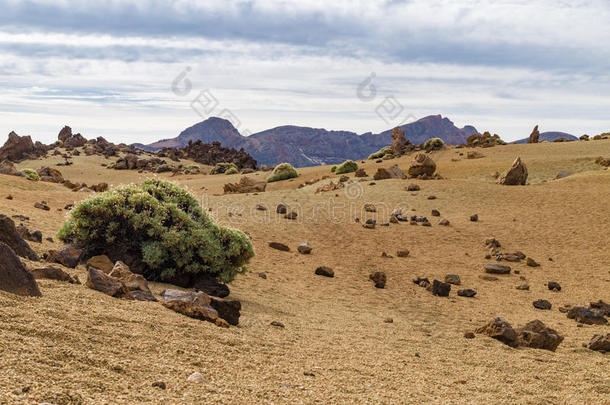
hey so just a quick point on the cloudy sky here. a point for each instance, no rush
(141, 70)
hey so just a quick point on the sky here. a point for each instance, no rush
(144, 70)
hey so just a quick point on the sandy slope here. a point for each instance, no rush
(75, 345)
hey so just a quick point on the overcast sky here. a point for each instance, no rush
(141, 70)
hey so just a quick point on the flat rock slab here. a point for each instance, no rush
(52, 273)
(497, 269)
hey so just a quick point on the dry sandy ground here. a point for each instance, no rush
(76, 345)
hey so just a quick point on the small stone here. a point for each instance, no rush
(413, 187)
(42, 206)
(468, 292)
(444, 222)
(441, 289)
(469, 335)
(554, 286)
(291, 215)
(196, 377)
(369, 224)
(263, 275)
(531, 262)
(435, 213)
(474, 218)
(281, 209)
(304, 248)
(496, 269)
(426, 223)
(159, 384)
(517, 272)
(523, 287)
(261, 207)
(453, 279)
(370, 208)
(388, 320)
(402, 253)
(279, 246)
(379, 278)
(600, 343)
(431, 197)
(325, 271)
(277, 324)
(422, 282)
(308, 374)
(9, 197)
(542, 304)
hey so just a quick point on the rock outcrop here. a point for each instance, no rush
(516, 175)
(421, 165)
(10, 236)
(18, 148)
(534, 136)
(14, 278)
(245, 185)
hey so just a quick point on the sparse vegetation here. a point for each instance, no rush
(332, 169)
(223, 167)
(381, 153)
(434, 143)
(231, 170)
(348, 166)
(31, 174)
(164, 226)
(283, 171)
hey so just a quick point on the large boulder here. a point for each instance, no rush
(422, 165)
(10, 236)
(534, 136)
(100, 281)
(516, 175)
(537, 335)
(69, 256)
(101, 262)
(49, 174)
(600, 343)
(500, 330)
(192, 304)
(136, 284)
(245, 185)
(228, 309)
(7, 167)
(15, 278)
(65, 134)
(17, 148)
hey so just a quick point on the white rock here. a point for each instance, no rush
(195, 377)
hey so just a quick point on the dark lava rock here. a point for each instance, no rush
(325, 271)
(379, 278)
(467, 293)
(553, 286)
(12, 238)
(474, 218)
(542, 304)
(441, 289)
(496, 269)
(14, 278)
(279, 246)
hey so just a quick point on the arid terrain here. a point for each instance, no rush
(75, 345)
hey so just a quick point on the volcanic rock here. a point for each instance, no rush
(279, 246)
(542, 304)
(600, 343)
(496, 269)
(441, 289)
(534, 136)
(245, 185)
(537, 335)
(500, 330)
(421, 165)
(467, 293)
(14, 278)
(100, 281)
(516, 174)
(325, 271)
(69, 256)
(304, 248)
(10, 236)
(379, 278)
(52, 273)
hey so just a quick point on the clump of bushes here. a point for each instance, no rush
(381, 153)
(163, 226)
(348, 166)
(223, 167)
(434, 143)
(31, 174)
(192, 170)
(231, 170)
(484, 140)
(332, 169)
(283, 171)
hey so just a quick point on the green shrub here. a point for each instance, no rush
(348, 166)
(283, 171)
(232, 170)
(434, 143)
(192, 170)
(222, 167)
(332, 169)
(31, 174)
(163, 168)
(163, 226)
(381, 153)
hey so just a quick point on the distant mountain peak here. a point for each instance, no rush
(305, 146)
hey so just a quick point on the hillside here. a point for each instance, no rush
(76, 345)
(304, 146)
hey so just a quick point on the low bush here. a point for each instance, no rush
(231, 170)
(31, 174)
(434, 143)
(223, 167)
(163, 226)
(348, 166)
(283, 171)
(381, 153)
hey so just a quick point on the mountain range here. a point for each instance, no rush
(305, 146)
